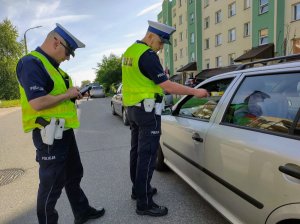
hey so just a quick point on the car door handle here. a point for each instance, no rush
(197, 137)
(291, 170)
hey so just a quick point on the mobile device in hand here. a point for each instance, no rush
(85, 89)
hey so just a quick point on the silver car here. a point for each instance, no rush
(240, 147)
(117, 107)
(97, 91)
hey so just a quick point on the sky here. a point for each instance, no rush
(104, 26)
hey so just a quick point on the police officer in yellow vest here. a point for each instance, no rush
(48, 110)
(144, 82)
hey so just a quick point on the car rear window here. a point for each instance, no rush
(268, 102)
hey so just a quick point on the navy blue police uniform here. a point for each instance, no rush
(145, 133)
(60, 164)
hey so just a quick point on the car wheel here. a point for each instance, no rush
(113, 109)
(159, 163)
(124, 117)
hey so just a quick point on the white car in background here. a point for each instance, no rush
(240, 147)
(97, 91)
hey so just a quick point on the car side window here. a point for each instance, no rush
(203, 108)
(268, 102)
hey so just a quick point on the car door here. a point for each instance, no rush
(252, 145)
(184, 132)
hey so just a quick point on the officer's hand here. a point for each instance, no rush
(200, 93)
(73, 92)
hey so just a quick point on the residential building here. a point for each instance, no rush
(228, 33)
(292, 27)
(213, 34)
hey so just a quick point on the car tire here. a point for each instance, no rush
(159, 162)
(124, 117)
(113, 111)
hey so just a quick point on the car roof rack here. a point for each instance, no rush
(280, 59)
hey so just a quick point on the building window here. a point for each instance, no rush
(179, 3)
(192, 56)
(247, 4)
(218, 39)
(174, 12)
(218, 61)
(206, 3)
(296, 46)
(181, 53)
(175, 57)
(192, 17)
(231, 10)
(175, 42)
(231, 58)
(206, 22)
(246, 29)
(192, 38)
(231, 35)
(180, 19)
(180, 36)
(218, 16)
(206, 43)
(263, 6)
(207, 63)
(263, 36)
(296, 11)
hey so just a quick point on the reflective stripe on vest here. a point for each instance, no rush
(136, 86)
(66, 109)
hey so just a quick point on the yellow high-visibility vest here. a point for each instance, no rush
(136, 86)
(66, 109)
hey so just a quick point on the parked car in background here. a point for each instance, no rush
(117, 107)
(97, 91)
(240, 147)
(189, 82)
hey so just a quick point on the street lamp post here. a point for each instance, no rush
(25, 42)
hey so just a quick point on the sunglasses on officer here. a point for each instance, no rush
(68, 51)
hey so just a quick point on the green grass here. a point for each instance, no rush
(9, 103)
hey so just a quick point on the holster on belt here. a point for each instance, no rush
(51, 130)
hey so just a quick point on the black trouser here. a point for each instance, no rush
(145, 133)
(60, 166)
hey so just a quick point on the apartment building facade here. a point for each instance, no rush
(292, 27)
(214, 33)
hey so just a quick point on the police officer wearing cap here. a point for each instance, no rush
(144, 82)
(47, 92)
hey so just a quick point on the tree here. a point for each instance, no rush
(10, 51)
(109, 71)
(85, 82)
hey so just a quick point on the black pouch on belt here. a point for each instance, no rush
(158, 98)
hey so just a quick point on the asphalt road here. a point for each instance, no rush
(104, 144)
